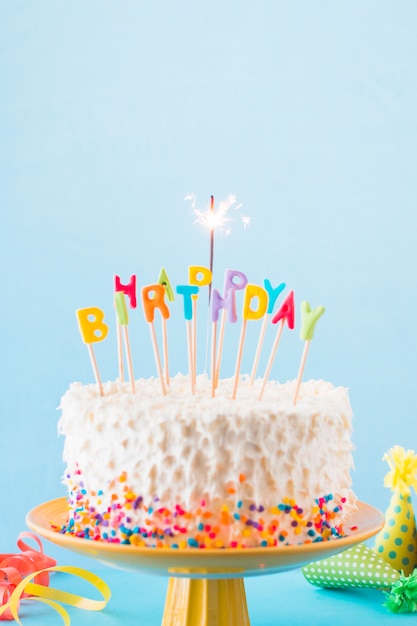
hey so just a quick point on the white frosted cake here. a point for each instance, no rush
(186, 470)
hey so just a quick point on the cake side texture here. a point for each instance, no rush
(186, 470)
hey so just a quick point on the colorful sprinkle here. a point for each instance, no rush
(128, 519)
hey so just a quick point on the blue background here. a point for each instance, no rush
(112, 112)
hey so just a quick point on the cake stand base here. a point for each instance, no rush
(205, 602)
(205, 587)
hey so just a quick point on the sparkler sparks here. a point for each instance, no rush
(218, 218)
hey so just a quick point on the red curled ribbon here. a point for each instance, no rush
(15, 567)
(26, 575)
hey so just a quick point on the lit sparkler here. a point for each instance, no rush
(218, 218)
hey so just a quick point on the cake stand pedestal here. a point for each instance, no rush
(205, 587)
(205, 602)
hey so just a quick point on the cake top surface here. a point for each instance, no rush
(314, 396)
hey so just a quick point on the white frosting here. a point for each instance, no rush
(183, 448)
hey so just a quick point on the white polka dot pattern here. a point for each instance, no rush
(359, 566)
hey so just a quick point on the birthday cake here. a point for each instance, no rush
(183, 470)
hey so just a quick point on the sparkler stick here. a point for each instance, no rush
(216, 219)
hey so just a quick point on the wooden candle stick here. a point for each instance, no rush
(308, 322)
(273, 294)
(153, 297)
(257, 293)
(284, 313)
(123, 321)
(169, 292)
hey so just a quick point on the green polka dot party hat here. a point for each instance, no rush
(396, 543)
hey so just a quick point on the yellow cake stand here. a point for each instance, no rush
(205, 587)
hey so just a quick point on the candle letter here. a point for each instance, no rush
(91, 324)
(272, 294)
(129, 289)
(251, 292)
(228, 303)
(199, 275)
(309, 319)
(121, 308)
(229, 280)
(156, 301)
(188, 291)
(164, 280)
(286, 311)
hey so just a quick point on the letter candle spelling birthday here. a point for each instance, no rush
(199, 276)
(123, 321)
(228, 303)
(92, 328)
(272, 297)
(284, 313)
(153, 298)
(130, 291)
(308, 322)
(251, 292)
(188, 291)
(164, 280)
(230, 288)
(258, 302)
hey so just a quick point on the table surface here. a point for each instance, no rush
(286, 598)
